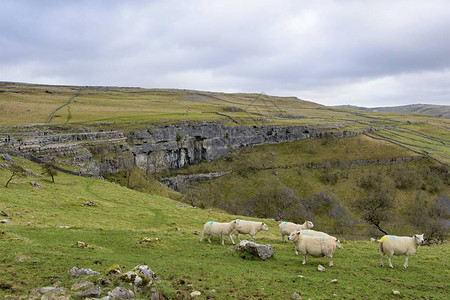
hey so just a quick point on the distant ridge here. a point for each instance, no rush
(441, 111)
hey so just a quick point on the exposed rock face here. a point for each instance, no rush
(173, 146)
(152, 149)
(178, 181)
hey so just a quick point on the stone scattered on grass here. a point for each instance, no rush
(395, 292)
(145, 240)
(2, 213)
(334, 281)
(114, 270)
(35, 184)
(93, 291)
(104, 282)
(296, 296)
(321, 268)
(81, 284)
(5, 221)
(252, 250)
(82, 245)
(196, 232)
(76, 272)
(89, 203)
(195, 294)
(121, 293)
(64, 227)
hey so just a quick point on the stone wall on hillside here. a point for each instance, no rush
(155, 148)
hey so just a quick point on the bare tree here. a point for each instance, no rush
(49, 170)
(16, 171)
(378, 200)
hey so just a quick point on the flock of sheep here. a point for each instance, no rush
(311, 242)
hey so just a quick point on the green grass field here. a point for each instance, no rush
(41, 253)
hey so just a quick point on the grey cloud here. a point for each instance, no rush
(309, 47)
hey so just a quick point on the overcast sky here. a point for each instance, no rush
(367, 53)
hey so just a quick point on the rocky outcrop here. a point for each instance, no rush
(176, 182)
(153, 149)
(161, 148)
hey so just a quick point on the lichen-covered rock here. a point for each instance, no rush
(144, 270)
(114, 270)
(76, 272)
(120, 293)
(252, 250)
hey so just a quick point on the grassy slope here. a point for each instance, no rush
(123, 216)
(282, 165)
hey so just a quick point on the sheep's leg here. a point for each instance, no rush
(304, 260)
(283, 238)
(330, 262)
(406, 262)
(382, 257)
(390, 264)
(201, 238)
(237, 235)
(231, 238)
(223, 240)
(209, 238)
(252, 237)
(296, 252)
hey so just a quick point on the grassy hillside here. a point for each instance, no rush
(36, 252)
(283, 180)
(130, 108)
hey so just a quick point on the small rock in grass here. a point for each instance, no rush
(64, 227)
(35, 184)
(196, 232)
(121, 293)
(4, 221)
(395, 292)
(296, 296)
(300, 276)
(75, 272)
(82, 245)
(114, 270)
(90, 203)
(321, 268)
(2, 213)
(104, 282)
(195, 294)
(334, 281)
(81, 284)
(94, 291)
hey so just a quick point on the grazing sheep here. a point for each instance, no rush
(399, 245)
(320, 233)
(287, 227)
(219, 229)
(317, 246)
(249, 227)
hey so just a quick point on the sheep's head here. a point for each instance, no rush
(338, 243)
(295, 235)
(419, 239)
(236, 223)
(309, 224)
(264, 227)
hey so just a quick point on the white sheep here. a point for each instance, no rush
(219, 229)
(249, 227)
(320, 233)
(399, 245)
(287, 227)
(316, 246)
